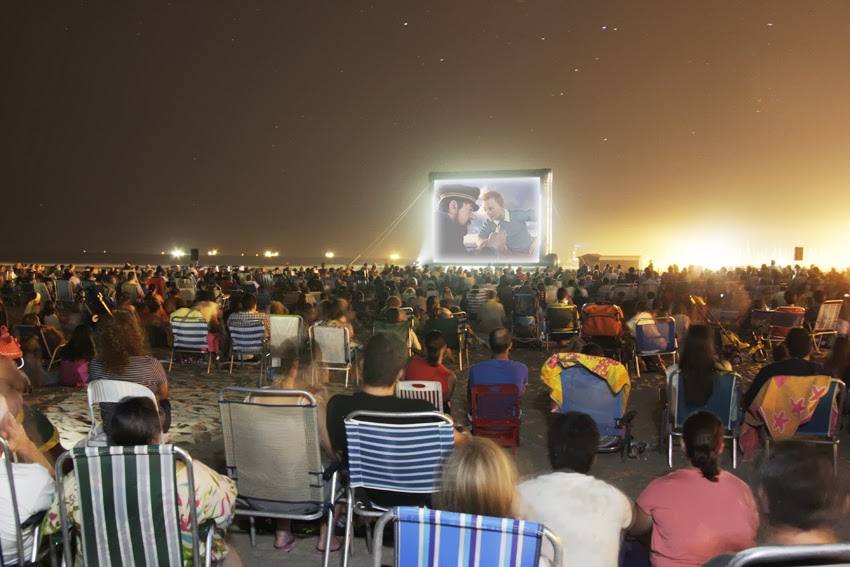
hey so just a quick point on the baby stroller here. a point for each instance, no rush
(603, 324)
(728, 344)
(526, 320)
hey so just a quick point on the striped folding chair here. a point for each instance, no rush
(433, 538)
(421, 390)
(189, 335)
(248, 337)
(827, 321)
(26, 534)
(394, 452)
(272, 451)
(129, 511)
(65, 292)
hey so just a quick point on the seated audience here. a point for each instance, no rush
(800, 499)
(589, 515)
(479, 478)
(702, 499)
(122, 354)
(491, 314)
(135, 421)
(500, 369)
(74, 358)
(34, 486)
(698, 366)
(431, 368)
(799, 343)
(393, 315)
(249, 313)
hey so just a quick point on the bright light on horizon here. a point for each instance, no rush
(329, 254)
(394, 257)
(177, 253)
(213, 252)
(271, 254)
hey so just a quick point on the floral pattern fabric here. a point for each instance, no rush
(608, 369)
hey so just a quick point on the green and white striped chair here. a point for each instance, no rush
(128, 506)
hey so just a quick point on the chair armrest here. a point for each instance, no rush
(334, 467)
(33, 520)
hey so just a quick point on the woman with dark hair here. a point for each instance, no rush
(135, 421)
(74, 358)
(701, 511)
(698, 367)
(122, 354)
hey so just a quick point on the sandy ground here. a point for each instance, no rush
(196, 427)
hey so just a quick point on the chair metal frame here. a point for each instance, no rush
(644, 354)
(350, 355)
(262, 348)
(824, 554)
(670, 413)
(838, 399)
(354, 507)
(428, 390)
(200, 351)
(180, 455)
(392, 516)
(326, 507)
(38, 332)
(828, 314)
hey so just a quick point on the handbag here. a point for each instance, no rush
(9, 345)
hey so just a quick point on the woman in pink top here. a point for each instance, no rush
(700, 511)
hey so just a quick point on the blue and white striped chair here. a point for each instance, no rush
(190, 336)
(248, 337)
(394, 452)
(433, 538)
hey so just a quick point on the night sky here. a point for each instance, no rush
(674, 129)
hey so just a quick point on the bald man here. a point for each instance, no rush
(500, 369)
(13, 384)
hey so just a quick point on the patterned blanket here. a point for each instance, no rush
(610, 370)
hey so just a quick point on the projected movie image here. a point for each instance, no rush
(488, 220)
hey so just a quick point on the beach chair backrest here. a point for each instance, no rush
(601, 320)
(824, 422)
(332, 342)
(421, 390)
(399, 330)
(190, 333)
(13, 499)
(828, 315)
(435, 538)
(111, 392)
(494, 403)
(524, 304)
(816, 555)
(723, 402)
(257, 425)
(450, 328)
(562, 318)
(64, 291)
(656, 335)
(784, 319)
(285, 328)
(586, 392)
(129, 505)
(247, 336)
(398, 452)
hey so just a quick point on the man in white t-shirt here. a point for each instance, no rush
(34, 486)
(587, 514)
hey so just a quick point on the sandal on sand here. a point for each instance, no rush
(286, 547)
(334, 548)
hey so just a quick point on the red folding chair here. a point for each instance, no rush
(495, 413)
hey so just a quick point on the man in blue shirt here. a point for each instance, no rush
(505, 230)
(500, 369)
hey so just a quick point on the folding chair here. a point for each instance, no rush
(588, 393)
(454, 335)
(421, 390)
(248, 338)
(129, 513)
(560, 320)
(189, 335)
(495, 413)
(283, 329)
(272, 451)
(723, 403)
(396, 452)
(782, 321)
(603, 323)
(826, 322)
(434, 538)
(655, 337)
(30, 528)
(25, 332)
(837, 554)
(110, 392)
(66, 294)
(825, 425)
(334, 350)
(400, 330)
(525, 321)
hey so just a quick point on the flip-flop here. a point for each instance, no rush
(287, 547)
(334, 549)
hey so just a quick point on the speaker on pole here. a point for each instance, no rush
(195, 254)
(798, 253)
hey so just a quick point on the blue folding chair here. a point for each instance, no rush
(585, 392)
(724, 403)
(655, 337)
(433, 538)
(248, 338)
(822, 429)
(189, 335)
(394, 452)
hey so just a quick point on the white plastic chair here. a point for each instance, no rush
(110, 391)
(283, 329)
(430, 391)
(334, 346)
(827, 321)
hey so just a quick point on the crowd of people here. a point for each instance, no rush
(105, 323)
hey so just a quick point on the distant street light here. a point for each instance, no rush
(329, 254)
